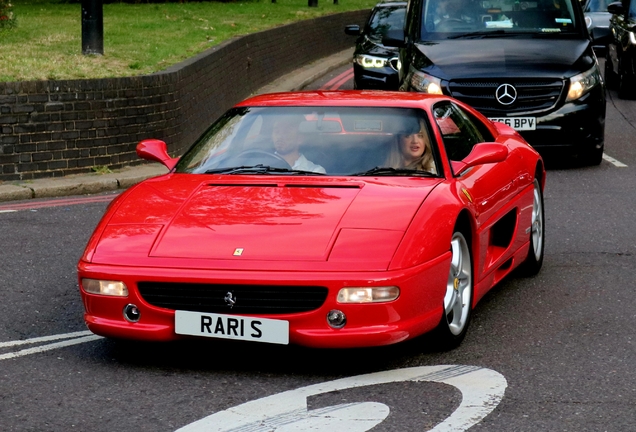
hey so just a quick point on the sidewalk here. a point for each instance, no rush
(92, 183)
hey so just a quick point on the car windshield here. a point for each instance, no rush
(467, 19)
(384, 19)
(597, 5)
(315, 141)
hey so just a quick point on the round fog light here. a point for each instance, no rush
(336, 319)
(131, 313)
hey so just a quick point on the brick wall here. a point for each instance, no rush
(56, 128)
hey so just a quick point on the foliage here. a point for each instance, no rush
(7, 17)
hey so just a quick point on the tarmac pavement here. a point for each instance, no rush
(92, 183)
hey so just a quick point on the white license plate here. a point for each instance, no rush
(231, 327)
(518, 123)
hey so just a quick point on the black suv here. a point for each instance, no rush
(375, 66)
(529, 64)
(620, 60)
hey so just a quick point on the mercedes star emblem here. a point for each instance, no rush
(506, 94)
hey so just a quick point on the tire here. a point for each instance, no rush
(534, 261)
(593, 156)
(610, 77)
(458, 298)
(626, 84)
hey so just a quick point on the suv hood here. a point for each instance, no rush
(504, 57)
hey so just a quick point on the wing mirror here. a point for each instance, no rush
(352, 30)
(616, 8)
(482, 153)
(156, 150)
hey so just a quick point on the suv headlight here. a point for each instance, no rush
(425, 83)
(368, 61)
(582, 83)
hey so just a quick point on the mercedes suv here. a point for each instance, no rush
(528, 64)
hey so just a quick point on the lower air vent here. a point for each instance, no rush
(245, 299)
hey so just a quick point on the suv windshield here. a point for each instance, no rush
(384, 19)
(473, 19)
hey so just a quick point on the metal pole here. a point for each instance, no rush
(92, 27)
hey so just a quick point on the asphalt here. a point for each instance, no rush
(92, 183)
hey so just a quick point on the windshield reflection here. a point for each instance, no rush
(315, 141)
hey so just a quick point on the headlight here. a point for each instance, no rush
(368, 295)
(632, 38)
(368, 61)
(425, 83)
(582, 83)
(105, 287)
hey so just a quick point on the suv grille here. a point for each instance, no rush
(250, 299)
(532, 95)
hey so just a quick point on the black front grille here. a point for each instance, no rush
(250, 299)
(532, 95)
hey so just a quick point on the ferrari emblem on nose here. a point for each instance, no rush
(238, 252)
(230, 299)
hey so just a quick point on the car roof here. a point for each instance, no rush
(358, 98)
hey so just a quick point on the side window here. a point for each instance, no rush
(458, 131)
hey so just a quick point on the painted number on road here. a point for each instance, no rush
(482, 390)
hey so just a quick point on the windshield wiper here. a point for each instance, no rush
(259, 169)
(488, 33)
(388, 171)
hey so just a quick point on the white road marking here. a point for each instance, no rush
(72, 339)
(8, 211)
(45, 338)
(482, 390)
(613, 161)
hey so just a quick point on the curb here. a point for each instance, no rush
(93, 183)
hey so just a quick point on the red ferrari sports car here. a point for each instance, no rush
(325, 219)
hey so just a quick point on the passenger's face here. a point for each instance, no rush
(285, 137)
(412, 146)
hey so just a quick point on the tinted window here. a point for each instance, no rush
(384, 19)
(453, 18)
(597, 5)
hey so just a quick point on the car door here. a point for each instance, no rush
(488, 189)
(620, 26)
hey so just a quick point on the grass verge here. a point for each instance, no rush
(138, 38)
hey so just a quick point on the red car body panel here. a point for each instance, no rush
(332, 232)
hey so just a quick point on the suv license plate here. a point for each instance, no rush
(231, 327)
(518, 123)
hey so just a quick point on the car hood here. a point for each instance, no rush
(504, 57)
(376, 49)
(264, 220)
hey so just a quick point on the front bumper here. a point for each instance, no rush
(417, 310)
(385, 78)
(577, 126)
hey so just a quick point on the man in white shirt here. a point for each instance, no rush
(287, 140)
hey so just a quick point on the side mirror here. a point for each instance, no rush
(352, 30)
(156, 150)
(482, 153)
(394, 38)
(616, 8)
